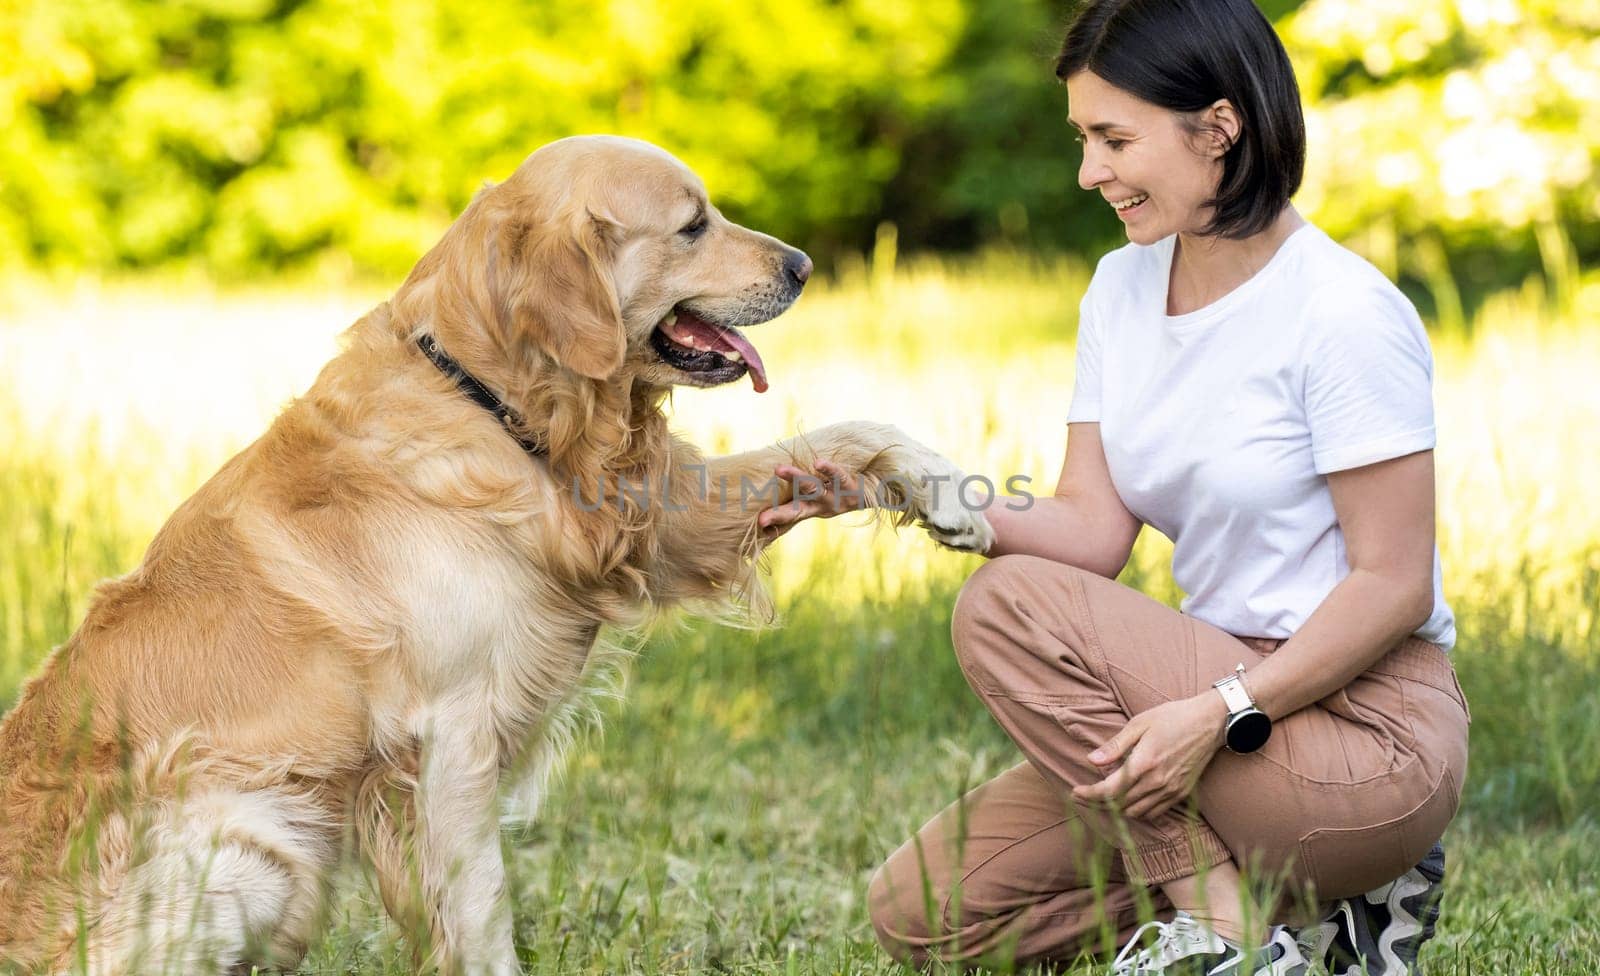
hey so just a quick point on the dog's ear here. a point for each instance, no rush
(560, 292)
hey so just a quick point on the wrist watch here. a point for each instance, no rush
(1248, 726)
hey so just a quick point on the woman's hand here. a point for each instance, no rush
(824, 493)
(1163, 752)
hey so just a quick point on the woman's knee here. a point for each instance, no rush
(919, 916)
(996, 623)
(895, 908)
(986, 608)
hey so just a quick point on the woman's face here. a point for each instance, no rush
(1140, 153)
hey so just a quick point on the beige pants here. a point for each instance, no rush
(1346, 795)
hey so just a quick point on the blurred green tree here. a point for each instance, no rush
(257, 133)
(1453, 141)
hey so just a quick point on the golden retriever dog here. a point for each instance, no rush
(372, 626)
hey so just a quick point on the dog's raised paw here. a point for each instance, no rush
(940, 502)
(972, 534)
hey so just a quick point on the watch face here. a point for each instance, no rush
(1249, 731)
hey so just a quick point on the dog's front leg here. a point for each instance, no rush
(710, 535)
(457, 878)
(894, 471)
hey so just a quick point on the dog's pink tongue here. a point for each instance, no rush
(722, 340)
(752, 359)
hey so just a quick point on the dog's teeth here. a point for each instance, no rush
(671, 319)
(734, 356)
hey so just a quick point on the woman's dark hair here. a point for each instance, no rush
(1186, 54)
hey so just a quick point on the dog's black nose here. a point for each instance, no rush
(798, 265)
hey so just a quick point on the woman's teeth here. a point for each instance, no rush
(1131, 202)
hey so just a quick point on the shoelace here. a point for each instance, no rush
(1182, 932)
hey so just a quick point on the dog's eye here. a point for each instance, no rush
(696, 228)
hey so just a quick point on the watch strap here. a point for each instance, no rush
(1234, 693)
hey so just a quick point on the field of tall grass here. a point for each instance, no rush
(726, 817)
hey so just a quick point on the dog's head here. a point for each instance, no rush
(606, 253)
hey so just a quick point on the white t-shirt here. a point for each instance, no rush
(1219, 425)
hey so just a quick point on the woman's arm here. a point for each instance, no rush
(1083, 524)
(1386, 512)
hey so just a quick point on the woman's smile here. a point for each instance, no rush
(1128, 207)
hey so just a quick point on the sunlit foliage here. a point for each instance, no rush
(1468, 128)
(1452, 142)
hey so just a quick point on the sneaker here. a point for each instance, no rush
(1381, 932)
(1186, 946)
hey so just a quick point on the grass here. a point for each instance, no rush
(728, 816)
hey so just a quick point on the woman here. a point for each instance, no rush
(1261, 396)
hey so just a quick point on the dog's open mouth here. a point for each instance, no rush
(715, 353)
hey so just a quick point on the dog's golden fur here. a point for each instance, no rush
(373, 618)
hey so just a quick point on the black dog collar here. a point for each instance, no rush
(480, 394)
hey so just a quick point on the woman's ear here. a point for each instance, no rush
(559, 292)
(1221, 123)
